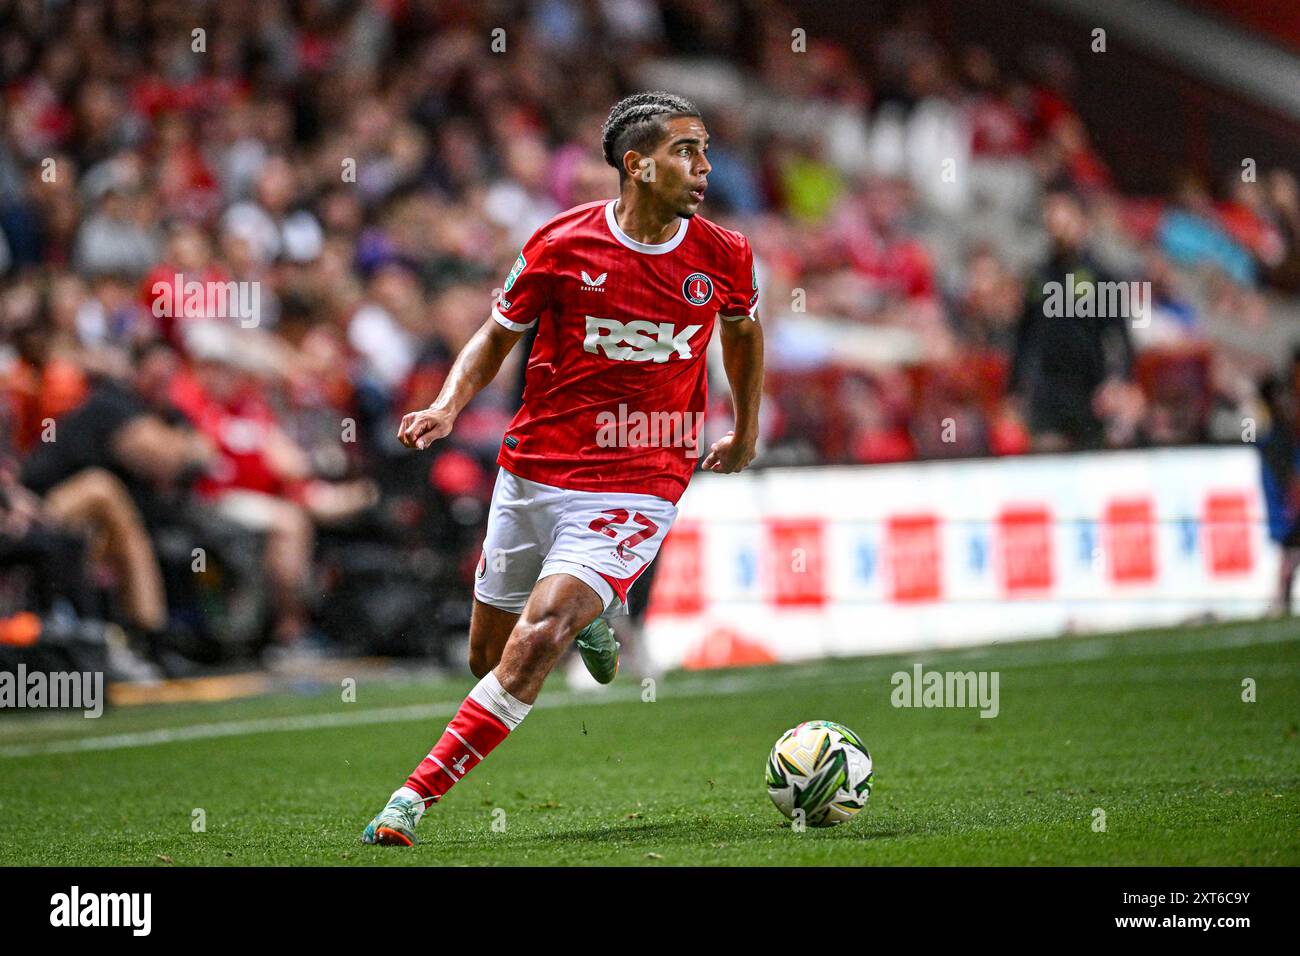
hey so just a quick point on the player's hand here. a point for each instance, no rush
(421, 429)
(729, 454)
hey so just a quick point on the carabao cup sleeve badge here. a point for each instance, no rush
(517, 268)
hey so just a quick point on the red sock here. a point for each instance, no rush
(483, 721)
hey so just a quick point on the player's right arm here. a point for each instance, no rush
(526, 295)
(475, 366)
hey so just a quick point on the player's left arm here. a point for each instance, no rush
(742, 356)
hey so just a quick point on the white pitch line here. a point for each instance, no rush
(379, 715)
(827, 672)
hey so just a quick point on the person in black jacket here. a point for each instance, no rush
(1064, 361)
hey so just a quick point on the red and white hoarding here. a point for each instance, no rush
(792, 564)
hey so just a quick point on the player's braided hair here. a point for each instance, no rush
(636, 122)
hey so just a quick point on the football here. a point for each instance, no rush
(820, 769)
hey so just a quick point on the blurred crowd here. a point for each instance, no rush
(212, 478)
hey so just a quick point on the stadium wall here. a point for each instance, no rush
(792, 564)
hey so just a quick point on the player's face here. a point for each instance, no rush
(682, 165)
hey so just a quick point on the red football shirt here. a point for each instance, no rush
(616, 385)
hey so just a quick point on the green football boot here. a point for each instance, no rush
(394, 825)
(599, 650)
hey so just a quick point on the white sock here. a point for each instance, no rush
(406, 793)
(499, 702)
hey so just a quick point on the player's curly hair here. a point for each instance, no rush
(636, 122)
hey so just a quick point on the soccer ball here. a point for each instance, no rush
(822, 769)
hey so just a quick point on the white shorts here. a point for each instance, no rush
(605, 539)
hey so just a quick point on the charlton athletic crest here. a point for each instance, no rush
(698, 288)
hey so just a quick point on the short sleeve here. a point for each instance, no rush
(527, 289)
(741, 299)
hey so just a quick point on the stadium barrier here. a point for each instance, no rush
(793, 564)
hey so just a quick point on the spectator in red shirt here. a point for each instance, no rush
(262, 478)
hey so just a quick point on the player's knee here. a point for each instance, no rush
(546, 634)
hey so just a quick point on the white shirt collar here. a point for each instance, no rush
(649, 248)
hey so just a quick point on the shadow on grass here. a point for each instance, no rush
(701, 832)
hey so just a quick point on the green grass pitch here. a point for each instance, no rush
(1150, 728)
